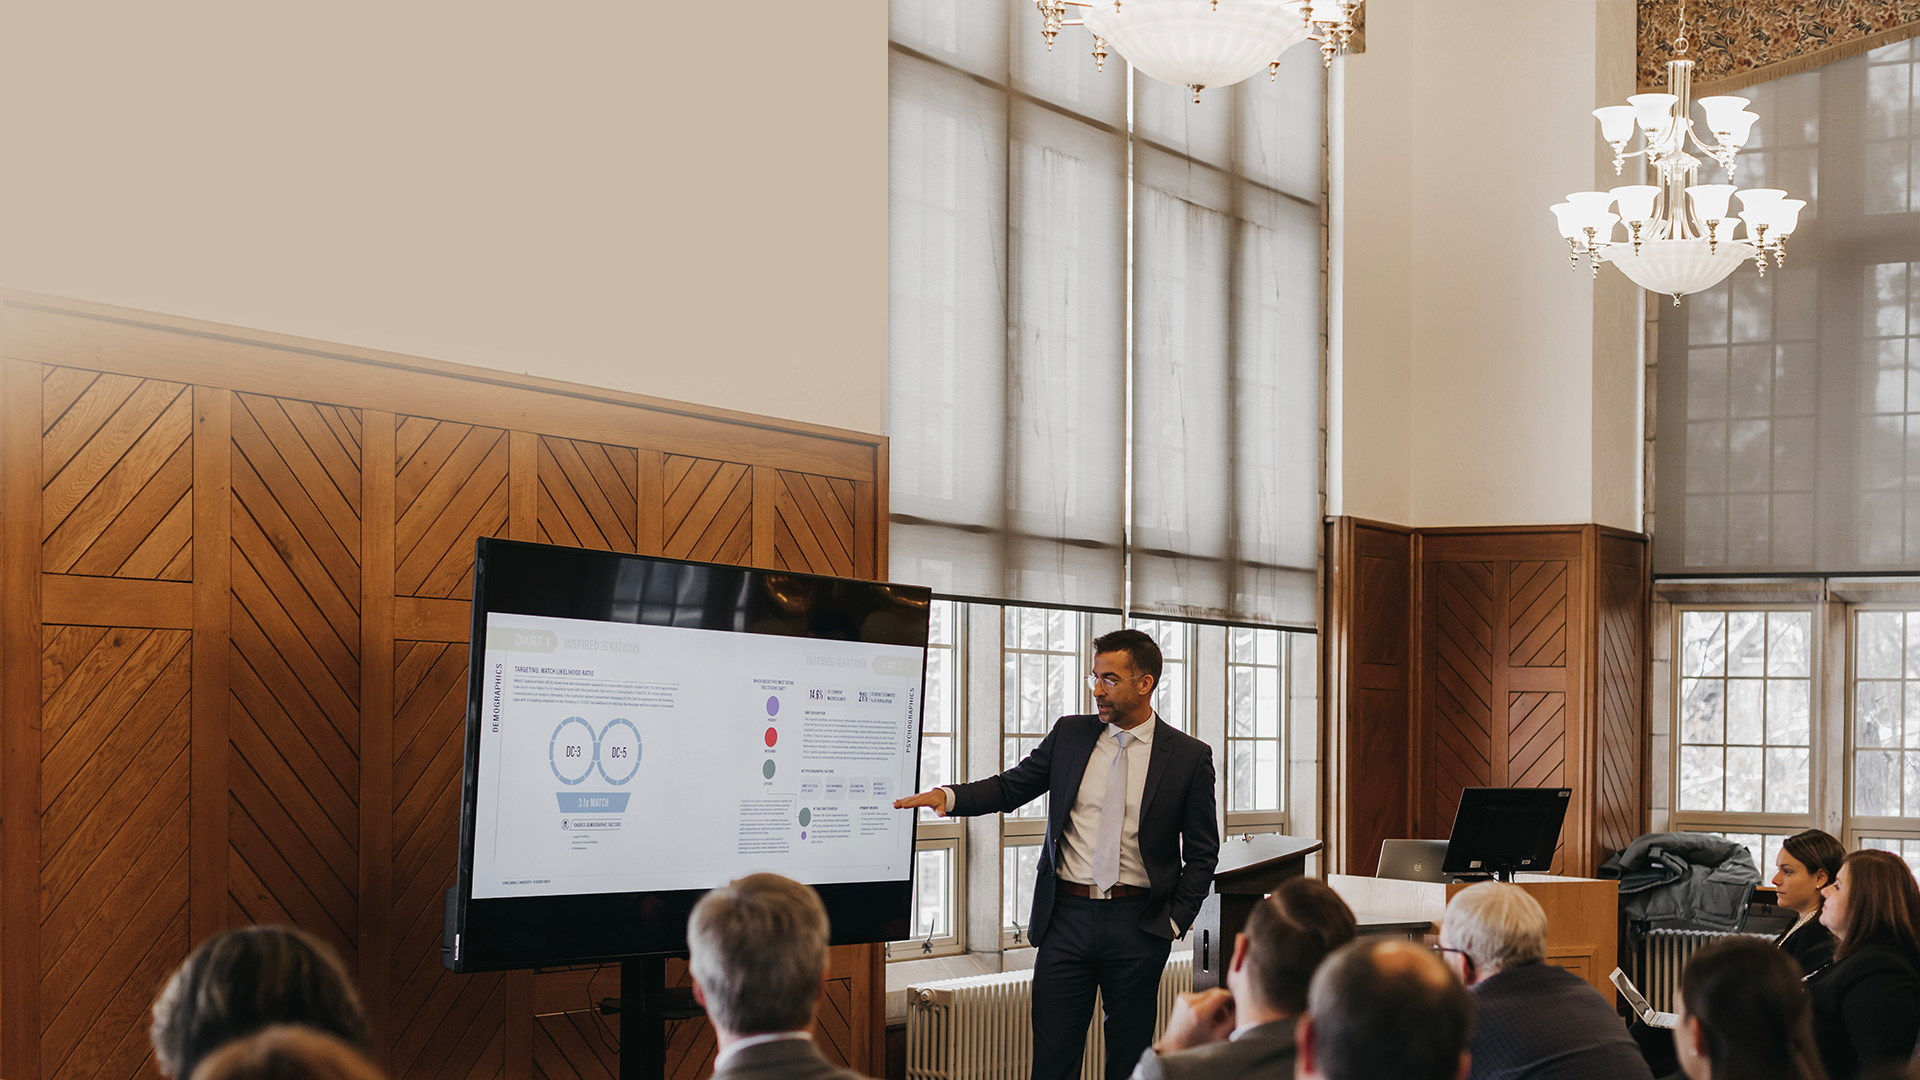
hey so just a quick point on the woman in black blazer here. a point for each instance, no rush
(1866, 1004)
(1808, 862)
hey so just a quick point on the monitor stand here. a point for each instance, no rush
(643, 1026)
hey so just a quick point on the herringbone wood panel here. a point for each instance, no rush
(117, 462)
(1463, 751)
(708, 513)
(450, 488)
(576, 1045)
(1537, 614)
(294, 719)
(814, 526)
(589, 494)
(1621, 644)
(113, 885)
(443, 1024)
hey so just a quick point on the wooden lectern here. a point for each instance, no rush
(1250, 868)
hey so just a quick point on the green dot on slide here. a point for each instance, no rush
(767, 769)
(806, 816)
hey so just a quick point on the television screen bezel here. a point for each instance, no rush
(498, 934)
(1474, 804)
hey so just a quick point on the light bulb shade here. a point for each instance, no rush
(1678, 267)
(1326, 11)
(1710, 200)
(1756, 221)
(1784, 216)
(1616, 123)
(1755, 198)
(1568, 217)
(1602, 226)
(1193, 43)
(1653, 111)
(1739, 125)
(1636, 201)
(1591, 202)
(1720, 110)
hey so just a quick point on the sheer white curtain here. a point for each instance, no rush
(1009, 363)
(1788, 435)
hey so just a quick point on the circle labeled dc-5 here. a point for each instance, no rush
(619, 751)
(571, 751)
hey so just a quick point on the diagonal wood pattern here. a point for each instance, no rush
(1537, 614)
(443, 1024)
(450, 487)
(295, 667)
(113, 884)
(589, 494)
(117, 487)
(813, 528)
(1463, 752)
(573, 1045)
(1617, 820)
(707, 514)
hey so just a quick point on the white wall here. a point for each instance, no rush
(1480, 383)
(685, 200)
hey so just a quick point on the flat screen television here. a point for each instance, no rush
(1501, 831)
(641, 730)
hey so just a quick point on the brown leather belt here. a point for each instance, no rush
(1118, 892)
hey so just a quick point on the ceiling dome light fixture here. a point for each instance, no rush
(1680, 236)
(1203, 43)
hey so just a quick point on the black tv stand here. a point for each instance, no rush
(645, 1006)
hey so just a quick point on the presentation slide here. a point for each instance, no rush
(623, 758)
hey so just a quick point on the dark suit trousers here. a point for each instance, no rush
(1095, 945)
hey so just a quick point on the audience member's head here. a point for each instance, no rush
(1744, 1015)
(1385, 1009)
(241, 981)
(1287, 936)
(1808, 862)
(287, 1052)
(1873, 901)
(1490, 928)
(758, 952)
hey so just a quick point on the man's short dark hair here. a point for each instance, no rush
(242, 981)
(1289, 934)
(1387, 1009)
(1138, 647)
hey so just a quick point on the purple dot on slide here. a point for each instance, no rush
(803, 834)
(773, 706)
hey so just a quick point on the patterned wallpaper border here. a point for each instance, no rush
(1737, 43)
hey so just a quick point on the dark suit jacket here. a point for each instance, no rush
(788, 1059)
(1179, 840)
(1541, 1022)
(1263, 1052)
(1866, 1010)
(1811, 946)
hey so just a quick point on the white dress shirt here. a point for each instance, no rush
(738, 1045)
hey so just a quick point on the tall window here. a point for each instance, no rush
(1886, 727)
(940, 843)
(1256, 744)
(1043, 656)
(1744, 721)
(1172, 698)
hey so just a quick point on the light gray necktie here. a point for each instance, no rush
(1113, 812)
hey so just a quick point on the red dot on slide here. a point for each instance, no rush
(772, 736)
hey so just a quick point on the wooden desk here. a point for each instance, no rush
(1583, 914)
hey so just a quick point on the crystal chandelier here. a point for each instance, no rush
(1679, 235)
(1202, 43)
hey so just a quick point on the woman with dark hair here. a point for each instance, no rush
(1866, 1004)
(1744, 1016)
(1808, 862)
(242, 981)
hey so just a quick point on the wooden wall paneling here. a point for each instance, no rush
(295, 667)
(113, 878)
(589, 494)
(20, 701)
(1461, 740)
(212, 655)
(1365, 787)
(811, 524)
(1621, 592)
(450, 487)
(118, 467)
(375, 892)
(650, 501)
(707, 512)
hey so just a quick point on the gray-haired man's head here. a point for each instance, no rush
(758, 953)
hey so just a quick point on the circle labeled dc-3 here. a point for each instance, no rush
(618, 755)
(571, 751)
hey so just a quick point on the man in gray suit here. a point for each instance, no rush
(1246, 1029)
(758, 952)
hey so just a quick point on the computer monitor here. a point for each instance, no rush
(1413, 860)
(1500, 831)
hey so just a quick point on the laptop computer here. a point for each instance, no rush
(1639, 1005)
(1413, 860)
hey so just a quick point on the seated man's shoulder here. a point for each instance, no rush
(1251, 1055)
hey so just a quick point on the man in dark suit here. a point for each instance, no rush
(1246, 1029)
(758, 952)
(1536, 1020)
(1129, 853)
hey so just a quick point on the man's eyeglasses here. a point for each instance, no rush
(1109, 680)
